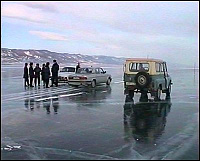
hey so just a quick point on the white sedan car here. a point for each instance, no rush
(64, 73)
(89, 76)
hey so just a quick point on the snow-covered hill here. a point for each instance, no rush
(42, 56)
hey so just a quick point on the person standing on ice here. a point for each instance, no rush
(37, 71)
(77, 67)
(43, 75)
(47, 74)
(54, 70)
(31, 74)
(26, 80)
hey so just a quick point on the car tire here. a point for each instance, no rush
(142, 80)
(168, 93)
(108, 82)
(158, 94)
(143, 97)
(93, 84)
(131, 94)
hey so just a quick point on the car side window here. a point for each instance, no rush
(93, 71)
(157, 67)
(162, 67)
(101, 70)
(97, 71)
(165, 67)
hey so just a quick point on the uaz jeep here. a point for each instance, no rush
(146, 76)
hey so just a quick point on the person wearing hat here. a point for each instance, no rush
(42, 74)
(47, 74)
(25, 76)
(31, 74)
(37, 71)
(54, 70)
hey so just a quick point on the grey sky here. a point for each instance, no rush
(166, 30)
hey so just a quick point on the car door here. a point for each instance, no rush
(160, 80)
(163, 76)
(166, 76)
(97, 75)
(103, 75)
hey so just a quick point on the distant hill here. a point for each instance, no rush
(41, 56)
(15, 56)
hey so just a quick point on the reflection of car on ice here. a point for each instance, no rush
(145, 120)
(92, 96)
(64, 73)
(146, 76)
(89, 76)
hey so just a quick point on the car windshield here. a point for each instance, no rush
(68, 69)
(84, 70)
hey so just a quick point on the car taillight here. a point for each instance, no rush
(83, 78)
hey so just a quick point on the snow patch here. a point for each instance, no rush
(28, 53)
(37, 57)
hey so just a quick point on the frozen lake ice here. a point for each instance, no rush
(82, 123)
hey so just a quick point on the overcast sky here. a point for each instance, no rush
(166, 30)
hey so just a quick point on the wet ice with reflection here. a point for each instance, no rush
(91, 125)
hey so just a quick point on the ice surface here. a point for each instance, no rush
(82, 123)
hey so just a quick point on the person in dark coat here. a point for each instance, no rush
(47, 74)
(54, 71)
(37, 71)
(31, 74)
(77, 67)
(26, 80)
(42, 73)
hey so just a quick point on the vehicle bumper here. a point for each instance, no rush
(129, 88)
(62, 81)
(138, 90)
(79, 83)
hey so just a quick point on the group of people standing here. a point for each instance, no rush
(35, 73)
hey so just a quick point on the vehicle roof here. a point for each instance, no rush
(91, 67)
(144, 59)
(68, 67)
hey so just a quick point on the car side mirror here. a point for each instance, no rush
(104, 72)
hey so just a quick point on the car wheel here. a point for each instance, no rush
(131, 94)
(143, 97)
(93, 84)
(108, 82)
(158, 94)
(169, 90)
(142, 79)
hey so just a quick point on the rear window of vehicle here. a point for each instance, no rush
(85, 70)
(135, 67)
(68, 69)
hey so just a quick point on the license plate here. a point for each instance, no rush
(76, 78)
(130, 83)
